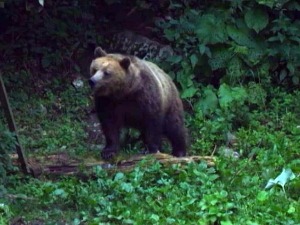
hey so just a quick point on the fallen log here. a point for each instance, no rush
(62, 164)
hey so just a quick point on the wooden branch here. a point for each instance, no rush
(61, 165)
(12, 126)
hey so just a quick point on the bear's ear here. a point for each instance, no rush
(99, 52)
(125, 63)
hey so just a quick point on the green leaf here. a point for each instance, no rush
(291, 209)
(228, 95)
(242, 36)
(119, 176)
(184, 79)
(262, 196)
(273, 3)
(189, 92)
(209, 102)
(256, 19)
(202, 49)
(227, 222)
(171, 220)
(171, 35)
(175, 59)
(273, 38)
(76, 221)
(128, 221)
(281, 37)
(269, 3)
(211, 29)
(154, 217)
(225, 96)
(59, 192)
(194, 60)
(282, 75)
(127, 187)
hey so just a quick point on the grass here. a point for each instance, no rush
(230, 193)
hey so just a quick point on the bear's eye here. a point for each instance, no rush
(106, 74)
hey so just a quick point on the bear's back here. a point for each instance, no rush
(166, 89)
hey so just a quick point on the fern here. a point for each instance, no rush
(235, 69)
(256, 94)
(220, 58)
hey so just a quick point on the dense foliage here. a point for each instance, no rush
(236, 64)
(230, 53)
(7, 145)
(156, 195)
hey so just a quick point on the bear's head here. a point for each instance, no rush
(110, 73)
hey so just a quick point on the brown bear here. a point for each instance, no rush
(131, 92)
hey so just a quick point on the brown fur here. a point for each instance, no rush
(136, 93)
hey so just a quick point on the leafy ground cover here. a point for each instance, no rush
(232, 192)
(193, 194)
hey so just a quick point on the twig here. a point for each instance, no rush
(213, 152)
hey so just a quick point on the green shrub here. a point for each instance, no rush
(235, 41)
(7, 146)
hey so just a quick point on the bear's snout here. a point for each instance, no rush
(98, 76)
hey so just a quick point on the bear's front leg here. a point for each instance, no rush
(152, 136)
(111, 131)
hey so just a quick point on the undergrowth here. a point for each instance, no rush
(231, 193)
(54, 118)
